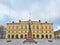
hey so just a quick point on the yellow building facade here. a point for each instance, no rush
(38, 29)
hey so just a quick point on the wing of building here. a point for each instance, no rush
(57, 34)
(38, 29)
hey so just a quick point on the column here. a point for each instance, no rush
(40, 36)
(44, 36)
(10, 36)
(6, 36)
(19, 36)
(52, 35)
(48, 36)
(14, 36)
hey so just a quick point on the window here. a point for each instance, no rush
(25, 31)
(12, 27)
(33, 35)
(12, 31)
(37, 27)
(45, 27)
(21, 36)
(17, 27)
(33, 31)
(37, 36)
(25, 35)
(12, 36)
(46, 36)
(17, 36)
(50, 31)
(9, 27)
(33, 26)
(21, 27)
(42, 27)
(49, 27)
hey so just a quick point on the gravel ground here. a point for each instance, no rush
(20, 42)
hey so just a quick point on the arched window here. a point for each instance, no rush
(33, 35)
(46, 36)
(50, 36)
(37, 36)
(21, 36)
(42, 36)
(12, 36)
(17, 36)
(8, 36)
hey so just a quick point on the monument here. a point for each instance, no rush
(29, 38)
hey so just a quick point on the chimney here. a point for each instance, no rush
(39, 20)
(45, 21)
(19, 20)
(12, 21)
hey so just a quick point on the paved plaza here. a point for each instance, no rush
(20, 42)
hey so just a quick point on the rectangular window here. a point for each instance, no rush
(12, 27)
(42, 27)
(49, 27)
(45, 27)
(17, 27)
(33, 26)
(9, 27)
(37, 27)
(21, 27)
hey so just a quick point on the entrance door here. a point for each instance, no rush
(12, 36)
(33, 36)
(25, 36)
(37, 36)
(47, 36)
(16, 36)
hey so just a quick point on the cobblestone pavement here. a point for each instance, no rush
(20, 42)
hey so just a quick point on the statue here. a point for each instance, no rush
(29, 38)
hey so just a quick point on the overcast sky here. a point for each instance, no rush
(44, 10)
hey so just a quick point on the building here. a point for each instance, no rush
(2, 32)
(57, 34)
(20, 30)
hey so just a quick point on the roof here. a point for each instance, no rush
(27, 22)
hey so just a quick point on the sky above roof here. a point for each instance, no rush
(44, 10)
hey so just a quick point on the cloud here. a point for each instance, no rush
(49, 11)
(57, 28)
(44, 12)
